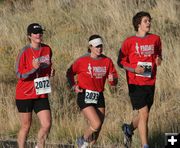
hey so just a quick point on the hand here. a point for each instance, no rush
(139, 69)
(77, 89)
(112, 80)
(52, 74)
(35, 63)
(158, 61)
(110, 77)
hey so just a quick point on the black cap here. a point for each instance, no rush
(34, 28)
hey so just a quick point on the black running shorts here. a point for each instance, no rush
(25, 106)
(82, 104)
(141, 96)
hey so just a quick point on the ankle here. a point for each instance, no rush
(84, 138)
(132, 127)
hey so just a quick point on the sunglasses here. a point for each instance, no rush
(99, 46)
(37, 32)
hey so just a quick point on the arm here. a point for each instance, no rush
(22, 71)
(123, 57)
(71, 72)
(52, 73)
(46, 64)
(159, 53)
(123, 61)
(112, 76)
(70, 76)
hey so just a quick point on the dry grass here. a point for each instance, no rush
(68, 24)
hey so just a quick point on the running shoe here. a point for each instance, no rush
(146, 146)
(82, 143)
(127, 135)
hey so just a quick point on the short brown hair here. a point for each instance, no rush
(138, 17)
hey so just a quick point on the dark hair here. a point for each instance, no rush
(138, 18)
(94, 36)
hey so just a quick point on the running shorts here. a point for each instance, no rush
(82, 104)
(141, 95)
(25, 106)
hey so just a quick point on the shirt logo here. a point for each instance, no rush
(144, 50)
(96, 71)
(44, 59)
(89, 70)
(137, 48)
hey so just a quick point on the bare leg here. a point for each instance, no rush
(143, 125)
(135, 120)
(45, 121)
(25, 119)
(95, 120)
(101, 114)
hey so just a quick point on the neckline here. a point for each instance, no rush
(146, 35)
(97, 58)
(38, 48)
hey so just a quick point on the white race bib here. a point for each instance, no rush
(148, 69)
(42, 85)
(91, 96)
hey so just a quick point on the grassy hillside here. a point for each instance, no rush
(68, 24)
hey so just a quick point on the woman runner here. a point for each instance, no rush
(92, 70)
(33, 69)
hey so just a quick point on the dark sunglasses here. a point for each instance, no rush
(99, 46)
(37, 32)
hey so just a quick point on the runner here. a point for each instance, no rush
(33, 69)
(92, 70)
(139, 56)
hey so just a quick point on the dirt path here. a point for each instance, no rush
(13, 144)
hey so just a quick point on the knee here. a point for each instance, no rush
(96, 126)
(46, 126)
(144, 115)
(25, 127)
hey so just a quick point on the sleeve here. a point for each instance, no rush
(113, 71)
(123, 57)
(22, 71)
(159, 48)
(71, 72)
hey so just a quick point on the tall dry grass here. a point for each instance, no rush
(68, 25)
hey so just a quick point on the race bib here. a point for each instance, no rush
(148, 69)
(91, 96)
(42, 85)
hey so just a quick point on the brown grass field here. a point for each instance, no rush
(68, 24)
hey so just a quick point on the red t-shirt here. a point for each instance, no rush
(91, 73)
(26, 73)
(140, 51)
